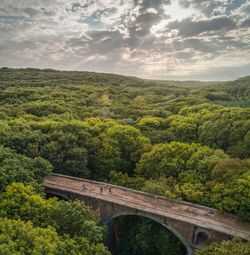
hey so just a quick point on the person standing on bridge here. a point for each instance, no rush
(109, 189)
(101, 189)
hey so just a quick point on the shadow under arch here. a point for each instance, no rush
(202, 237)
(59, 195)
(177, 234)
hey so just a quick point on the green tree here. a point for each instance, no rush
(154, 128)
(229, 168)
(121, 148)
(71, 219)
(17, 167)
(44, 108)
(139, 236)
(233, 196)
(76, 219)
(104, 100)
(183, 128)
(193, 191)
(228, 247)
(65, 153)
(21, 201)
(122, 179)
(162, 186)
(225, 129)
(22, 238)
(173, 158)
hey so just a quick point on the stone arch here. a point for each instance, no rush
(201, 237)
(161, 222)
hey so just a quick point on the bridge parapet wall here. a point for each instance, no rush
(161, 200)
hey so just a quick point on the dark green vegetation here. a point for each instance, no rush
(226, 248)
(144, 237)
(30, 224)
(181, 141)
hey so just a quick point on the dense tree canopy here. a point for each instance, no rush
(121, 148)
(20, 237)
(173, 158)
(230, 187)
(235, 247)
(183, 140)
(17, 167)
(31, 224)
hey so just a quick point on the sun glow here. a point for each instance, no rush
(173, 12)
(176, 12)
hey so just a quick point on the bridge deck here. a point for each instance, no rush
(198, 215)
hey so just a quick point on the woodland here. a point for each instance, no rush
(188, 141)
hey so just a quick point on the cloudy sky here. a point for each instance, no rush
(158, 39)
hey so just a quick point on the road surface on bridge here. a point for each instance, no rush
(201, 216)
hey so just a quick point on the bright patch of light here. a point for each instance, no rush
(156, 29)
(152, 10)
(176, 12)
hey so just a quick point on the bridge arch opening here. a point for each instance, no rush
(172, 236)
(202, 238)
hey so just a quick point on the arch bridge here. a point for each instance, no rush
(193, 224)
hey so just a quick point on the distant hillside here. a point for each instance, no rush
(43, 77)
(239, 87)
(231, 94)
(46, 77)
(189, 83)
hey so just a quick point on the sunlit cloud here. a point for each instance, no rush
(176, 12)
(177, 39)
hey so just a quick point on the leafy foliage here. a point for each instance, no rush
(34, 222)
(121, 148)
(145, 237)
(183, 140)
(17, 167)
(19, 237)
(235, 247)
(173, 158)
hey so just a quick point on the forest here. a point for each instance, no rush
(184, 140)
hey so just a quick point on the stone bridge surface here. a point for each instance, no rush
(193, 224)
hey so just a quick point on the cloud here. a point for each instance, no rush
(215, 7)
(245, 23)
(153, 39)
(188, 28)
(147, 4)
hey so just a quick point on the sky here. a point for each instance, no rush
(155, 39)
